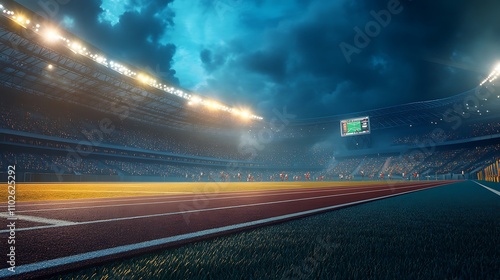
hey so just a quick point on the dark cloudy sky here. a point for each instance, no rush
(270, 53)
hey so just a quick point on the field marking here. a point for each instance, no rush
(488, 188)
(164, 241)
(206, 198)
(39, 220)
(203, 210)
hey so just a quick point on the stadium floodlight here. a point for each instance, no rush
(21, 20)
(143, 78)
(245, 114)
(196, 100)
(212, 104)
(76, 47)
(492, 76)
(52, 35)
(101, 59)
(242, 113)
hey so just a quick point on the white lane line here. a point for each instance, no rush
(39, 220)
(165, 241)
(205, 197)
(200, 210)
(488, 188)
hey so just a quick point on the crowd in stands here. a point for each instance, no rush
(372, 166)
(75, 123)
(49, 163)
(403, 164)
(421, 162)
(488, 128)
(467, 131)
(391, 166)
(437, 161)
(43, 163)
(148, 145)
(471, 159)
(343, 167)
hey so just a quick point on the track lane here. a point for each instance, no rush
(110, 209)
(218, 190)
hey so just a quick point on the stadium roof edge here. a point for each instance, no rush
(129, 69)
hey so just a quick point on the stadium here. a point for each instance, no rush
(114, 173)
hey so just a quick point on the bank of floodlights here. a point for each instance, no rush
(53, 36)
(492, 76)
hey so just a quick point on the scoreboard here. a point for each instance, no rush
(357, 126)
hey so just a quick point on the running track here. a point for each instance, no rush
(53, 236)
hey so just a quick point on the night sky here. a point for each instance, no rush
(318, 58)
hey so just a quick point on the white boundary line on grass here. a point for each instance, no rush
(490, 189)
(163, 241)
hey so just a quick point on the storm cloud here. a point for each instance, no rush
(270, 54)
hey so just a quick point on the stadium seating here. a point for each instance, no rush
(39, 138)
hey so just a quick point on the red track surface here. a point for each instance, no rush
(83, 232)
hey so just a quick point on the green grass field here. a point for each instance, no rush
(352, 127)
(449, 232)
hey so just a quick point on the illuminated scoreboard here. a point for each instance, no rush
(353, 127)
